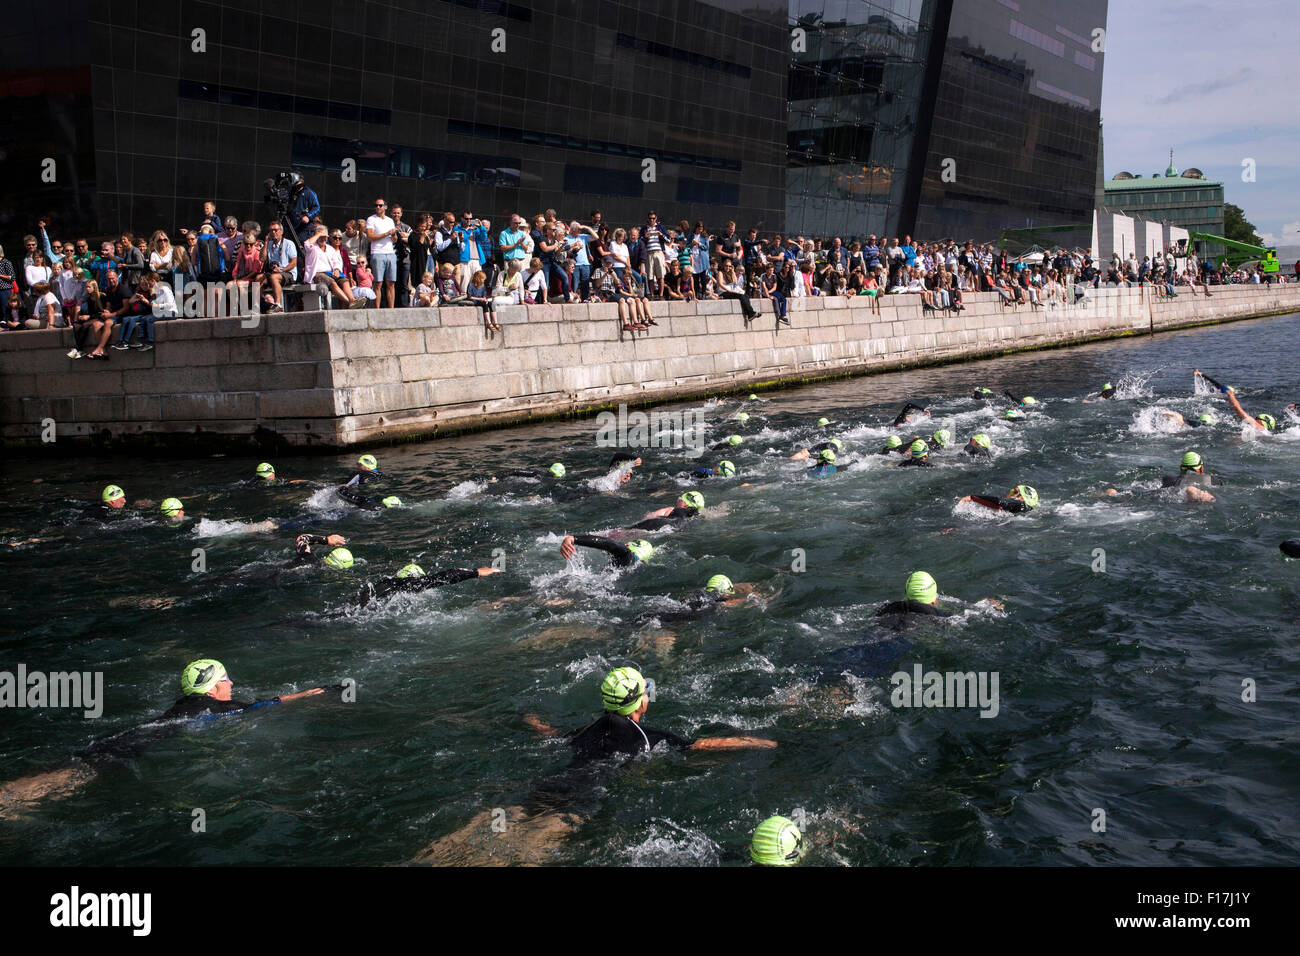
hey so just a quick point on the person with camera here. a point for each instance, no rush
(447, 240)
(475, 250)
(305, 204)
(402, 250)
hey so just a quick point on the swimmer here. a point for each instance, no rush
(984, 393)
(918, 455)
(1027, 401)
(979, 446)
(367, 470)
(776, 842)
(621, 555)
(731, 441)
(892, 444)
(1291, 548)
(412, 578)
(689, 505)
(205, 695)
(1018, 500)
(825, 465)
(718, 592)
(1012, 416)
(1265, 423)
(264, 475)
(1107, 392)
(1192, 478)
(911, 412)
(831, 444)
(921, 596)
(723, 469)
(352, 495)
(340, 557)
(940, 439)
(112, 504)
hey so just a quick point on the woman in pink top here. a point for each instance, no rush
(247, 270)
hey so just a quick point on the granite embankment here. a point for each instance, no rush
(336, 379)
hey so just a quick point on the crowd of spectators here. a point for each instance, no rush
(381, 260)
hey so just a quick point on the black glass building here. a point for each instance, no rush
(935, 117)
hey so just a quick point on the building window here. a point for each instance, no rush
(1036, 38)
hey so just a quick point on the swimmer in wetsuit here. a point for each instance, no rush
(1027, 401)
(111, 504)
(1291, 548)
(1192, 478)
(724, 469)
(979, 446)
(536, 831)
(621, 555)
(1013, 416)
(731, 441)
(911, 412)
(689, 505)
(825, 465)
(1018, 500)
(940, 439)
(893, 444)
(1265, 423)
(831, 444)
(206, 694)
(718, 592)
(412, 578)
(918, 455)
(367, 471)
(264, 476)
(984, 393)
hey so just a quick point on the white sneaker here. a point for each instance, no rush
(73, 354)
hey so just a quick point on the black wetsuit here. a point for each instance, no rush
(676, 517)
(909, 606)
(1013, 505)
(724, 444)
(352, 496)
(1290, 548)
(977, 451)
(374, 590)
(869, 659)
(886, 450)
(612, 734)
(129, 743)
(1193, 423)
(1187, 478)
(699, 603)
(100, 512)
(621, 555)
(904, 416)
(917, 462)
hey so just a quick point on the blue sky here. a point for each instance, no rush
(1213, 81)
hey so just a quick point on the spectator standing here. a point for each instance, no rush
(380, 230)
(422, 244)
(579, 238)
(474, 249)
(401, 249)
(8, 277)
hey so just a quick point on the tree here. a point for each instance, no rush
(1237, 227)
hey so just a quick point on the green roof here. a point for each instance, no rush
(1158, 182)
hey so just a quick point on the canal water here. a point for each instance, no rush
(1146, 649)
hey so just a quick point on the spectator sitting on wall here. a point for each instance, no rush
(324, 270)
(426, 293)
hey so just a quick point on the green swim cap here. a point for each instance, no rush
(1205, 418)
(982, 440)
(920, 449)
(392, 501)
(726, 469)
(893, 441)
(922, 587)
(266, 470)
(839, 445)
(622, 690)
(777, 842)
(340, 558)
(742, 417)
(720, 584)
(823, 421)
(1028, 495)
(199, 677)
(643, 549)
(753, 397)
(827, 456)
(735, 440)
(368, 462)
(112, 493)
(1191, 461)
(1108, 387)
(1013, 413)
(411, 571)
(171, 507)
(1029, 400)
(942, 437)
(557, 470)
(694, 500)
(1269, 422)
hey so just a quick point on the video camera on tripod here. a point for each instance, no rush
(280, 195)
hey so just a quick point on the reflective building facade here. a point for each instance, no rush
(934, 117)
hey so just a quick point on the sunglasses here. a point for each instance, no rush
(380, 205)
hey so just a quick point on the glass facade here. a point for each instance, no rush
(933, 117)
(1017, 112)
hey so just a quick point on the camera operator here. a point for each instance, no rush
(306, 205)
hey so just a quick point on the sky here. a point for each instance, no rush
(1212, 81)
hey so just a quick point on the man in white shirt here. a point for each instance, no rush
(383, 254)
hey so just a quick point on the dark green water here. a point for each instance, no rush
(1118, 690)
